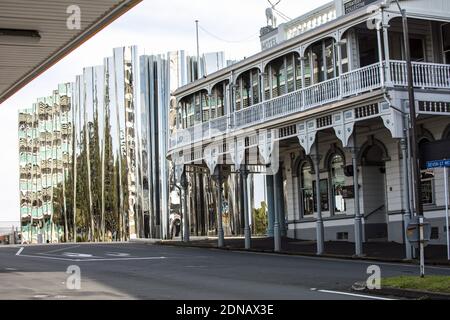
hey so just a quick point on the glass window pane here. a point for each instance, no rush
(344, 56)
(238, 96)
(267, 85)
(255, 87)
(290, 74)
(338, 183)
(308, 76)
(427, 187)
(317, 63)
(446, 36)
(298, 72)
(307, 190)
(329, 58)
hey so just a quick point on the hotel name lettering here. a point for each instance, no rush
(354, 5)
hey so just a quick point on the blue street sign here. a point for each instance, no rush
(438, 164)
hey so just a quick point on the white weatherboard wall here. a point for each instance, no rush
(432, 8)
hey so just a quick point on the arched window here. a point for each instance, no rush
(282, 75)
(307, 191)
(337, 182)
(247, 89)
(218, 100)
(321, 62)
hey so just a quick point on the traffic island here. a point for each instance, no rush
(411, 287)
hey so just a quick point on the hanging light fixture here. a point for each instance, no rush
(19, 36)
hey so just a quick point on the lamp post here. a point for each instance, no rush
(185, 214)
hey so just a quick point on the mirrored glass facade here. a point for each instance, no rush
(46, 149)
(79, 157)
(93, 161)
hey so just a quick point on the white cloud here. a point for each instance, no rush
(156, 26)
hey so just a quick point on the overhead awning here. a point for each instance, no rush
(34, 35)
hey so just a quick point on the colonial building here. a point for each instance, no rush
(323, 112)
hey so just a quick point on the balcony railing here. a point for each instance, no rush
(426, 76)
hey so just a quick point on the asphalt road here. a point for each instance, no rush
(139, 271)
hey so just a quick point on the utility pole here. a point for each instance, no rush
(198, 51)
(416, 173)
(414, 145)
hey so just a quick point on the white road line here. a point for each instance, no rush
(44, 257)
(20, 251)
(92, 260)
(121, 259)
(61, 249)
(355, 295)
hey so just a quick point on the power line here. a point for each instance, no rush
(282, 15)
(225, 40)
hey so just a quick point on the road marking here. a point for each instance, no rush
(77, 255)
(10, 269)
(93, 260)
(44, 257)
(20, 251)
(121, 259)
(355, 295)
(61, 249)
(118, 254)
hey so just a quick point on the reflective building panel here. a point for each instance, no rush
(93, 161)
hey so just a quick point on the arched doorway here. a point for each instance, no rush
(374, 192)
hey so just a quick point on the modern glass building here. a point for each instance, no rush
(45, 147)
(93, 155)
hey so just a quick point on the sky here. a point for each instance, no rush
(155, 26)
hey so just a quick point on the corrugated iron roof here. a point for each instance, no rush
(21, 62)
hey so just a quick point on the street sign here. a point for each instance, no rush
(413, 232)
(438, 164)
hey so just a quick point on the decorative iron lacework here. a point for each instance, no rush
(367, 111)
(325, 121)
(287, 131)
(433, 106)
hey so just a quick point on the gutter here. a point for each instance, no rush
(101, 23)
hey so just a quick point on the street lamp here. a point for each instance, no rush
(416, 172)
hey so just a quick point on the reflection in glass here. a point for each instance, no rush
(338, 182)
(307, 189)
(78, 157)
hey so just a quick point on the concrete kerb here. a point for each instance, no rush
(304, 254)
(407, 293)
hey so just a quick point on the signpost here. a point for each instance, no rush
(419, 234)
(444, 164)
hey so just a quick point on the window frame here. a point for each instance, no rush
(302, 188)
(444, 52)
(331, 185)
